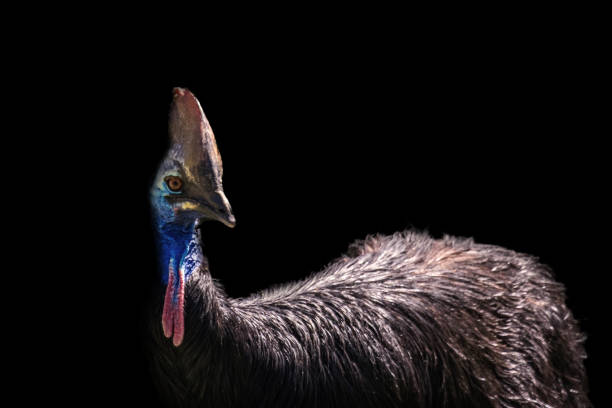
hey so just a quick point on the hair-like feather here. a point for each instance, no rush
(402, 320)
(399, 321)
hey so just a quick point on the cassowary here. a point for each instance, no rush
(399, 321)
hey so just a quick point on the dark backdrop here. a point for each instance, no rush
(489, 139)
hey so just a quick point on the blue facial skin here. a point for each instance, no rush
(176, 236)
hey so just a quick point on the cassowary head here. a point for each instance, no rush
(186, 190)
(188, 184)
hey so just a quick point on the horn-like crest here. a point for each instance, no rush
(192, 135)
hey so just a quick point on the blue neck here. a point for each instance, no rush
(178, 245)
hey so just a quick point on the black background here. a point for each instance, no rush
(489, 134)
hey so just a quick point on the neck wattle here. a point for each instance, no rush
(180, 257)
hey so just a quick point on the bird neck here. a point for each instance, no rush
(179, 249)
(181, 258)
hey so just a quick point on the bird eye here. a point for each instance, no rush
(174, 183)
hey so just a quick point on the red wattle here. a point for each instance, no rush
(173, 321)
(168, 312)
(179, 320)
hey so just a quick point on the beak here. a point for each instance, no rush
(215, 207)
(223, 209)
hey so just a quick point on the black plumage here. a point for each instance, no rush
(399, 321)
(402, 320)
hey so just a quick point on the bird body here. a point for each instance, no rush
(399, 321)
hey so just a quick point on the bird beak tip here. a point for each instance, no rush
(231, 221)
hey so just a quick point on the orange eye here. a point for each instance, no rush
(174, 183)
